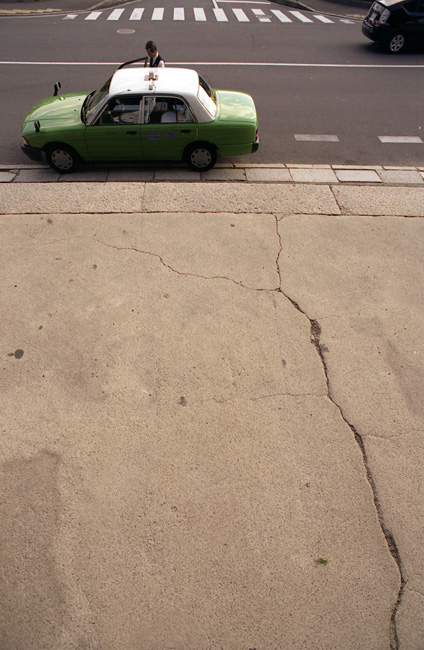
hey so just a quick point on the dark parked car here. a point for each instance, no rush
(394, 23)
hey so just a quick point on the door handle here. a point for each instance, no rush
(185, 130)
(132, 132)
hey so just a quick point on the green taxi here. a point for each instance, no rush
(142, 114)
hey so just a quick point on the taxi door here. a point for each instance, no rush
(116, 134)
(167, 129)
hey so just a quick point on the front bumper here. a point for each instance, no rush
(33, 153)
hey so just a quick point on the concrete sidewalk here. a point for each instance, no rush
(212, 415)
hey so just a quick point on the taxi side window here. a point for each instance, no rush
(166, 110)
(121, 110)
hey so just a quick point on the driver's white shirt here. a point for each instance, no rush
(161, 64)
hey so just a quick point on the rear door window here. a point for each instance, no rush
(166, 110)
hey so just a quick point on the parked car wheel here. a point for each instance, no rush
(61, 158)
(200, 156)
(396, 43)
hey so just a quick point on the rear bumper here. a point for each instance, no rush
(33, 153)
(377, 34)
(237, 149)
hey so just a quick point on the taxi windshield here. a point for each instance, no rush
(96, 98)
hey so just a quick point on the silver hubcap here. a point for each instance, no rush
(201, 157)
(397, 43)
(62, 159)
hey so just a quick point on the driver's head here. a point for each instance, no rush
(151, 48)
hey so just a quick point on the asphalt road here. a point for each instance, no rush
(324, 93)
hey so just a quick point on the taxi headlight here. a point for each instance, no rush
(25, 142)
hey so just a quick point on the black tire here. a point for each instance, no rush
(396, 43)
(200, 156)
(61, 158)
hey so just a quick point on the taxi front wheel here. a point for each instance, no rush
(61, 158)
(200, 157)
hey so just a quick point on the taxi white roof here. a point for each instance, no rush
(170, 81)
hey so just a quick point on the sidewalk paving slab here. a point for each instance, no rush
(380, 200)
(404, 177)
(358, 176)
(223, 175)
(7, 177)
(313, 175)
(369, 306)
(227, 197)
(72, 197)
(45, 175)
(268, 175)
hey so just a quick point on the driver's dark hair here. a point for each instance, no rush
(151, 45)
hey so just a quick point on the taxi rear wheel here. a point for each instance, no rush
(200, 157)
(61, 158)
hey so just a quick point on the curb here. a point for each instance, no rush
(236, 173)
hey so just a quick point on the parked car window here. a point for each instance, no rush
(166, 110)
(121, 110)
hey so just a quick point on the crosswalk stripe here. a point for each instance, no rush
(94, 15)
(71, 17)
(179, 13)
(301, 17)
(260, 14)
(158, 14)
(137, 14)
(220, 15)
(240, 15)
(323, 19)
(116, 14)
(281, 17)
(199, 13)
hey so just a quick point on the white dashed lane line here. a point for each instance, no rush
(400, 139)
(311, 137)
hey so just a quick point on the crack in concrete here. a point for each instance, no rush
(185, 273)
(315, 334)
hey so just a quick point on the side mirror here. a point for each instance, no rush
(57, 87)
